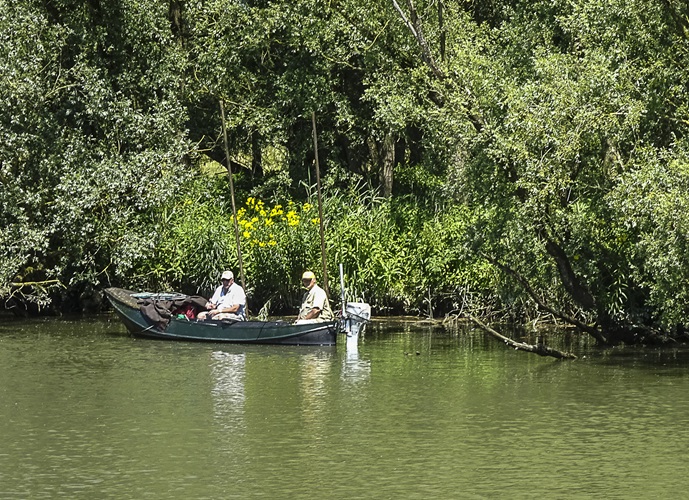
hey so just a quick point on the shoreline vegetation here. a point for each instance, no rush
(507, 162)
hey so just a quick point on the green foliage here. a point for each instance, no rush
(391, 251)
(94, 141)
(650, 203)
(546, 137)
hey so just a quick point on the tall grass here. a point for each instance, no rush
(396, 256)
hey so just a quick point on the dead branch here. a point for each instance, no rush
(591, 330)
(39, 284)
(416, 30)
(539, 349)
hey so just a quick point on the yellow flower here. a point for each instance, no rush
(316, 221)
(292, 218)
(307, 207)
(246, 234)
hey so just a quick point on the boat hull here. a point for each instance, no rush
(248, 332)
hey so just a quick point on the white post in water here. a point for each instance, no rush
(355, 315)
(342, 291)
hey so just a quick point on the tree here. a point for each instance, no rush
(95, 140)
(562, 105)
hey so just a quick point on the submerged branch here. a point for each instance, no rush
(539, 349)
(591, 330)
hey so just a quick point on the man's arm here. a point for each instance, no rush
(228, 309)
(313, 313)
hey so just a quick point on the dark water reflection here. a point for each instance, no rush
(418, 411)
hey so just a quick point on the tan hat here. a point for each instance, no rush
(227, 275)
(308, 275)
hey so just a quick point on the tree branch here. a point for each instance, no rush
(593, 331)
(539, 349)
(415, 28)
(682, 22)
(567, 275)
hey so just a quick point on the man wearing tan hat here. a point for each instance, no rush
(228, 301)
(315, 305)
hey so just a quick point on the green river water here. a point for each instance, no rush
(415, 412)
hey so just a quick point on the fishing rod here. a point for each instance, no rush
(320, 204)
(234, 208)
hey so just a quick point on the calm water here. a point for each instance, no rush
(417, 412)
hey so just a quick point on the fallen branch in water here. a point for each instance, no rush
(541, 350)
(591, 330)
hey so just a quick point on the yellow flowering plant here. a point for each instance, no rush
(278, 242)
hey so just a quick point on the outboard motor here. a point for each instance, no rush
(357, 314)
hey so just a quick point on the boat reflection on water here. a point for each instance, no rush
(229, 374)
(358, 314)
(310, 373)
(279, 371)
(354, 369)
(314, 387)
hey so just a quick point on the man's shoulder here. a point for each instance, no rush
(237, 290)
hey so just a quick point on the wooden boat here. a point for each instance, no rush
(128, 306)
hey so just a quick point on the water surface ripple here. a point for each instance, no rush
(415, 412)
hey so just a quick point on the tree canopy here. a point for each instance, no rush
(528, 159)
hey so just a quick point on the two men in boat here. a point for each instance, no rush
(228, 301)
(315, 306)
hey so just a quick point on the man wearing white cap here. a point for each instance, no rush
(228, 301)
(315, 305)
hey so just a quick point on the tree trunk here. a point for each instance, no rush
(568, 277)
(176, 20)
(382, 156)
(441, 24)
(256, 155)
(387, 163)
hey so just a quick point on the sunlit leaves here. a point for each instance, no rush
(94, 137)
(550, 119)
(651, 204)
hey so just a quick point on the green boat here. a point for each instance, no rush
(134, 311)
